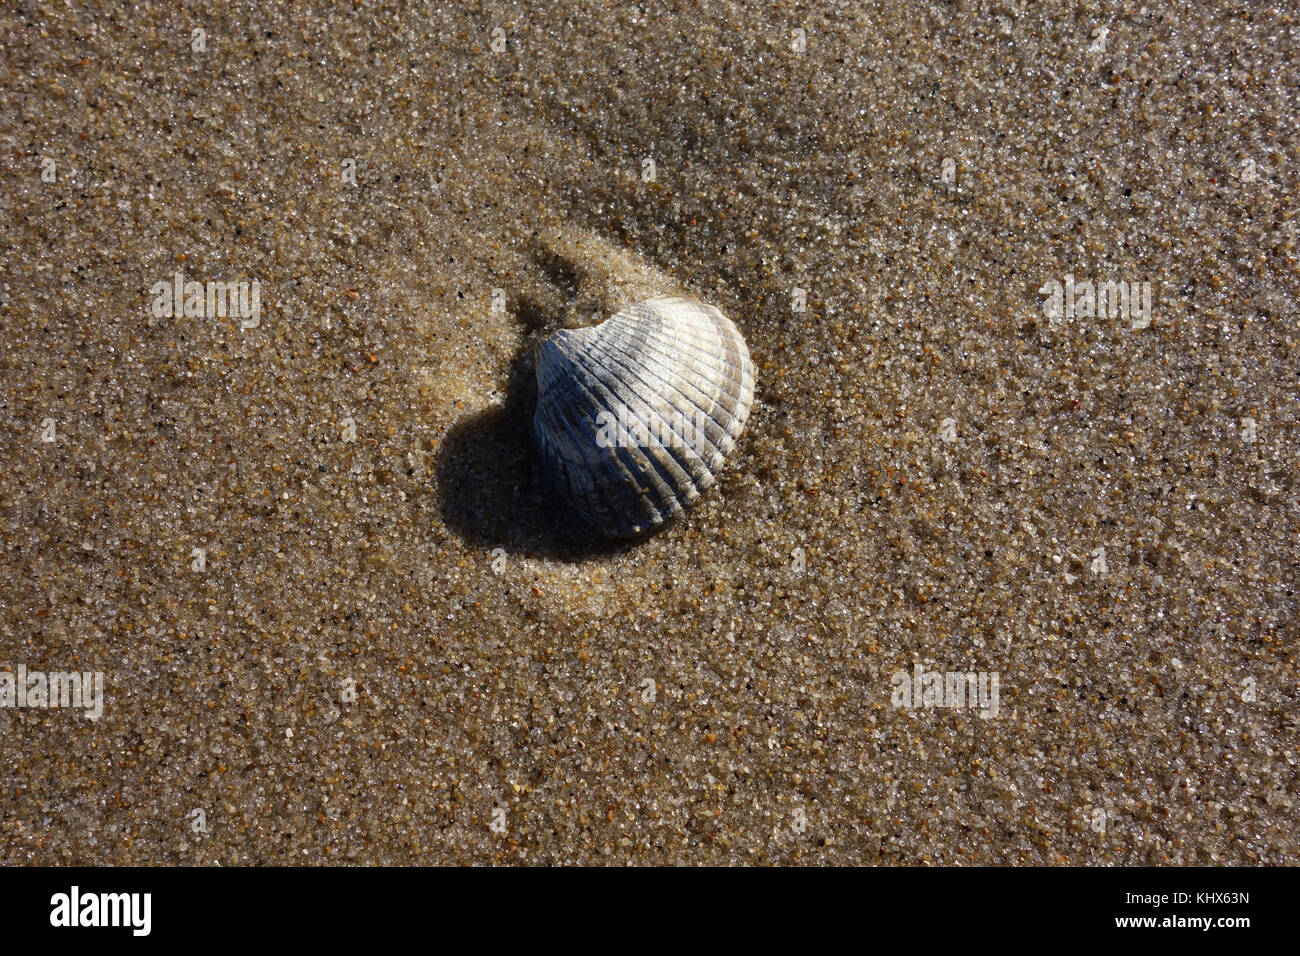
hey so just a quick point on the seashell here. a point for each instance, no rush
(636, 415)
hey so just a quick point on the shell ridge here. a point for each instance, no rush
(697, 344)
(735, 378)
(672, 369)
(664, 479)
(570, 421)
(628, 467)
(712, 395)
(578, 444)
(666, 382)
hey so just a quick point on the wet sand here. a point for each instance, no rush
(340, 616)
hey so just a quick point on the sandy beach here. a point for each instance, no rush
(1019, 282)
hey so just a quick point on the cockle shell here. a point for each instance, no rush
(635, 415)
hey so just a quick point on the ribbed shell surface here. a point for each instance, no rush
(636, 415)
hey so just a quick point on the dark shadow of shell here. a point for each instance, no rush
(491, 489)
